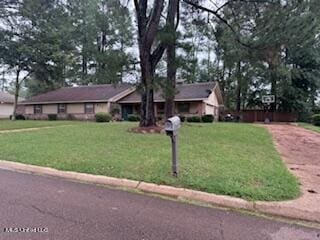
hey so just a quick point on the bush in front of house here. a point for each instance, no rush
(18, 117)
(194, 119)
(52, 117)
(207, 118)
(133, 118)
(316, 119)
(102, 117)
(182, 118)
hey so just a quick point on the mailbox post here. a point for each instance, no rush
(171, 126)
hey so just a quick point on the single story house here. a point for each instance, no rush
(84, 101)
(6, 104)
(191, 99)
(76, 102)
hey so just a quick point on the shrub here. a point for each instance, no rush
(305, 116)
(115, 110)
(207, 118)
(52, 117)
(316, 119)
(133, 118)
(18, 117)
(182, 118)
(194, 119)
(102, 117)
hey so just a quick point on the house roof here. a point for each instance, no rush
(189, 92)
(94, 93)
(7, 98)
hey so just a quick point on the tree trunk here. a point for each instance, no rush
(84, 58)
(148, 27)
(16, 96)
(238, 90)
(3, 82)
(147, 115)
(171, 60)
(171, 81)
(147, 30)
(84, 65)
(222, 82)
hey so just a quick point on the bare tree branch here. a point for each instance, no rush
(25, 77)
(178, 15)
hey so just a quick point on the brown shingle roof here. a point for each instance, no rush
(194, 91)
(95, 93)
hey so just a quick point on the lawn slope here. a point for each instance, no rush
(224, 158)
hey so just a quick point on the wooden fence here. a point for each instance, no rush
(260, 116)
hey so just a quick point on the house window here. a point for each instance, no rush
(62, 108)
(184, 107)
(37, 109)
(88, 108)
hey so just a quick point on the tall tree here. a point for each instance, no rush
(148, 26)
(16, 47)
(102, 36)
(170, 90)
(267, 34)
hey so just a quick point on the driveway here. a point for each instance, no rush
(70, 210)
(300, 150)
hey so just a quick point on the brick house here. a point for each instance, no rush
(191, 99)
(76, 102)
(84, 101)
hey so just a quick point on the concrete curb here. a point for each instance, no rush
(272, 208)
(284, 209)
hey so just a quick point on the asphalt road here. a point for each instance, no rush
(68, 210)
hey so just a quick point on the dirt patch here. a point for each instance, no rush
(146, 130)
(300, 150)
(297, 145)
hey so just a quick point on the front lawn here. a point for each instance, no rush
(310, 126)
(19, 124)
(224, 158)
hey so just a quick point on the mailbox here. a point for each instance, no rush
(172, 125)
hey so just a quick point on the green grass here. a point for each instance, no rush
(12, 125)
(309, 126)
(225, 158)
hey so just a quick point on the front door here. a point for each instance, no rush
(126, 110)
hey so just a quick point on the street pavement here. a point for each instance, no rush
(62, 210)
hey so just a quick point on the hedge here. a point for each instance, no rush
(102, 117)
(207, 118)
(194, 119)
(316, 119)
(52, 117)
(133, 118)
(182, 118)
